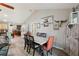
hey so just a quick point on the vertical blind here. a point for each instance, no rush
(3, 26)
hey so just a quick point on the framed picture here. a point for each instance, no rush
(46, 24)
(38, 25)
(55, 25)
(48, 20)
(41, 34)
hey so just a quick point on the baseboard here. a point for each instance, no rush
(58, 47)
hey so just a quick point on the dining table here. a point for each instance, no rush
(39, 41)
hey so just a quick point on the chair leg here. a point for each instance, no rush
(41, 50)
(33, 52)
(27, 48)
(24, 46)
(51, 51)
(47, 53)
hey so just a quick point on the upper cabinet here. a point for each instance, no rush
(74, 18)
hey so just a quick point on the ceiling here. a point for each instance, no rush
(24, 10)
(44, 5)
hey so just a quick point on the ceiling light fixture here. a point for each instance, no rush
(5, 15)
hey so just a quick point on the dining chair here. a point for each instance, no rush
(25, 41)
(32, 44)
(48, 46)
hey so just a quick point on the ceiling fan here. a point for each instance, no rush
(7, 6)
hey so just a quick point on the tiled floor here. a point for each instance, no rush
(17, 49)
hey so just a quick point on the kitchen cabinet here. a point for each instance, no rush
(74, 18)
(72, 35)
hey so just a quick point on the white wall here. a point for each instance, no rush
(58, 15)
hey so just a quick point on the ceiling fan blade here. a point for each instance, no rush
(8, 6)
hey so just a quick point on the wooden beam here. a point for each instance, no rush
(8, 6)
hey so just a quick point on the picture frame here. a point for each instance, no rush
(55, 25)
(48, 20)
(38, 25)
(46, 24)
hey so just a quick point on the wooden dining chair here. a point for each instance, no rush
(25, 41)
(48, 46)
(32, 45)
